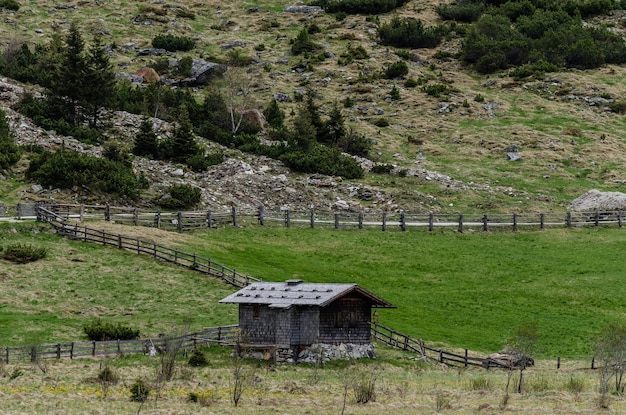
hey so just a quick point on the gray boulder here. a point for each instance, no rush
(202, 72)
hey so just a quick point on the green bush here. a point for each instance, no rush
(360, 6)
(435, 90)
(102, 331)
(173, 43)
(181, 196)
(382, 168)
(66, 169)
(9, 151)
(461, 12)
(381, 122)
(199, 162)
(321, 159)
(410, 33)
(198, 358)
(22, 254)
(9, 5)
(303, 43)
(139, 391)
(396, 69)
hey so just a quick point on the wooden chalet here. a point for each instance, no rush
(284, 318)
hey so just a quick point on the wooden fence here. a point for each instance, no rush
(386, 221)
(401, 341)
(219, 335)
(192, 261)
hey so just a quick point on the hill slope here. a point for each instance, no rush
(451, 153)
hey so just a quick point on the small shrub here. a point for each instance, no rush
(204, 398)
(173, 43)
(102, 331)
(348, 102)
(381, 122)
(540, 384)
(17, 372)
(394, 93)
(365, 390)
(479, 98)
(574, 385)
(185, 14)
(198, 358)
(382, 168)
(260, 47)
(181, 196)
(618, 107)
(410, 83)
(22, 254)
(403, 173)
(396, 69)
(9, 5)
(139, 391)
(435, 90)
(108, 375)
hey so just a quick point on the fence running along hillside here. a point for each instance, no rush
(185, 221)
(401, 341)
(192, 261)
(224, 335)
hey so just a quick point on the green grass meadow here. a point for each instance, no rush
(467, 290)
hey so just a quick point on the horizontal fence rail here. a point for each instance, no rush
(186, 221)
(192, 261)
(215, 335)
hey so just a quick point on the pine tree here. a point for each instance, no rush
(99, 82)
(183, 141)
(314, 113)
(274, 115)
(334, 128)
(303, 134)
(146, 143)
(9, 151)
(67, 89)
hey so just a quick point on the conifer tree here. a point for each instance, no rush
(146, 143)
(68, 89)
(303, 134)
(183, 141)
(274, 115)
(334, 128)
(9, 151)
(99, 82)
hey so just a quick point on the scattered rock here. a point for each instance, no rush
(596, 200)
(513, 156)
(304, 9)
(148, 75)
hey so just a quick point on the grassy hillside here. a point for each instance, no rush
(464, 290)
(567, 144)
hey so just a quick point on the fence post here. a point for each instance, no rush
(312, 218)
(568, 219)
(558, 362)
(119, 348)
(287, 219)
(465, 357)
(119, 241)
(104, 237)
(336, 220)
(107, 213)
(619, 218)
(154, 250)
(58, 351)
(72, 351)
(7, 354)
(233, 210)
(431, 222)
(135, 216)
(485, 226)
(261, 212)
(515, 222)
(158, 219)
(179, 221)
(360, 220)
(440, 356)
(460, 223)
(195, 261)
(402, 222)
(542, 223)
(208, 218)
(19, 211)
(384, 221)
(82, 212)
(93, 349)
(597, 218)
(138, 246)
(593, 362)
(176, 256)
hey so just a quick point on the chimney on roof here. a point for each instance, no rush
(291, 283)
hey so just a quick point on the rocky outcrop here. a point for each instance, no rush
(596, 200)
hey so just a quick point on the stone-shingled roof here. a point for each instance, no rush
(295, 292)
